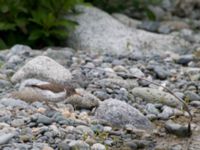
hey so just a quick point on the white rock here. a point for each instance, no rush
(98, 146)
(99, 31)
(43, 68)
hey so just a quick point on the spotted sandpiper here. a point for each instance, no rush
(35, 90)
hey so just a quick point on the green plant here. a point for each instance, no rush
(131, 7)
(36, 23)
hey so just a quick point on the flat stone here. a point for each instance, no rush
(156, 96)
(119, 113)
(44, 68)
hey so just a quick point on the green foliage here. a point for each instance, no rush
(37, 23)
(130, 7)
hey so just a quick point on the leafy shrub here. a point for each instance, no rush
(134, 8)
(37, 23)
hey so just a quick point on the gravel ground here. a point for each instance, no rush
(112, 112)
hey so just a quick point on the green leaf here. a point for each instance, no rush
(7, 26)
(2, 44)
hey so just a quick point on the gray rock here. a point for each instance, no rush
(137, 72)
(17, 122)
(151, 109)
(10, 102)
(44, 119)
(149, 26)
(95, 26)
(176, 147)
(5, 138)
(15, 59)
(126, 20)
(79, 145)
(64, 146)
(184, 59)
(166, 113)
(195, 103)
(20, 49)
(84, 100)
(113, 82)
(161, 72)
(156, 96)
(119, 113)
(108, 142)
(98, 146)
(62, 56)
(42, 67)
(4, 84)
(177, 129)
(85, 130)
(191, 96)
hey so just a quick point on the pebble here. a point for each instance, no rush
(6, 137)
(98, 146)
(81, 145)
(185, 59)
(44, 120)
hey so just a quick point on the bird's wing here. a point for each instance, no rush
(49, 86)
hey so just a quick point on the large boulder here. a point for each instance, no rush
(99, 31)
(44, 68)
(119, 113)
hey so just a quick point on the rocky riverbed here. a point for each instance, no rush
(113, 111)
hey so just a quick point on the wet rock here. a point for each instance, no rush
(83, 100)
(156, 96)
(119, 113)
(42, 67)
(177, 129)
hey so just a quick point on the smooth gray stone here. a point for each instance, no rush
(119, 113)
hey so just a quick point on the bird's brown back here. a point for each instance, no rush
(50, 86)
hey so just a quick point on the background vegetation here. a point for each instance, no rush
(36, 23)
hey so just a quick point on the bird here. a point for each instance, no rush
(32, 90)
